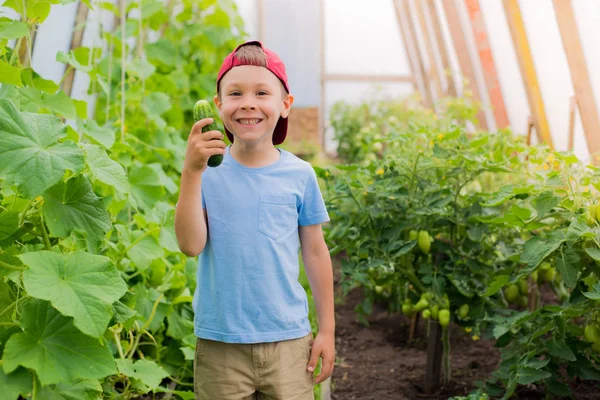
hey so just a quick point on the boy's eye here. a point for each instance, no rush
(234, 93)
(262, 93)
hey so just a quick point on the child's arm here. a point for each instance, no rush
(319, 271)
(190, 218)
(191, 222)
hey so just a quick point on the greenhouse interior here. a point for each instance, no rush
(455, 147)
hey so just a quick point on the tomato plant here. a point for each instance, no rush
(502, 218)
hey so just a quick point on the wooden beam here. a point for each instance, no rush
(76, 39)
(528, 74)
(322, 72)
(404, 10)
(433, 71)
(408, 49)
(261, 20)
(579, 73)
(462, 51)
(369, 78)
(487, 63)
(443, 47)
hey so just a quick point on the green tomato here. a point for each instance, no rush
(534, 276)
(523, 301)
(523, 286)
(511, 293)
(463, 311)
(378, 289)
(444, 316)
(435, 311)
(407, 310)
(591, 333)
(424, 241)
(426, 314)
(550, 274)
(413, 234)
(421, 305)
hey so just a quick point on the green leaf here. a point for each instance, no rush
(593, 252)
(577, 229)
(54, 348)
(33, 79)
(545, 202)
(85, 389)
(9, 223)
(529, 375)
(146, 371)
(568, 266)
(73, 205)
(497, 283)
(13, 30)
(558, 388)
(179, 326)
(15, 384)
(35, 100)
(538, 248)
(105, 169)
(162, 51)
(104, 135)
(30, 155)
(10, 74)
(10, 92)
(145, 185)
(561, 350)
(79, 285)
(143, 252)
(595, 293)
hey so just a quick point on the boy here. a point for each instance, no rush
(247, 219)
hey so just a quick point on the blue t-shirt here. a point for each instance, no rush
(247, 279)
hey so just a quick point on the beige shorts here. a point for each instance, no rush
(232, 371)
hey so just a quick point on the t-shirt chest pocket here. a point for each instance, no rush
(277, 215)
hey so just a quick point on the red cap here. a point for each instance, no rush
(276, 66)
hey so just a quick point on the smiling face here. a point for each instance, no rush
(250, 101)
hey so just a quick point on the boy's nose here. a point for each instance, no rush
(248, 107)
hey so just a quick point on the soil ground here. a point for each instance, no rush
(378, 363)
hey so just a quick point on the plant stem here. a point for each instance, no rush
(45, 233)
(9, 266)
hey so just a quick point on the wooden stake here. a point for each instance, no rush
(434, 358)
(528, 74)
(579, 74)
(433, 73)
(528, 130)
(462, 51)
(408, 49)
(442, 46)
(404, 11)
(76, 39)
(487, 63)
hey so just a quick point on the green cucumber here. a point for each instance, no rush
(203, 110)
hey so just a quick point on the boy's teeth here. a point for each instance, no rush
(249, 121)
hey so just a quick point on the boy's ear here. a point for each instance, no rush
(287, 104)
(217, 101)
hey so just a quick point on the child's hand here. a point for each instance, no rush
(201, 146)
(324, 347)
